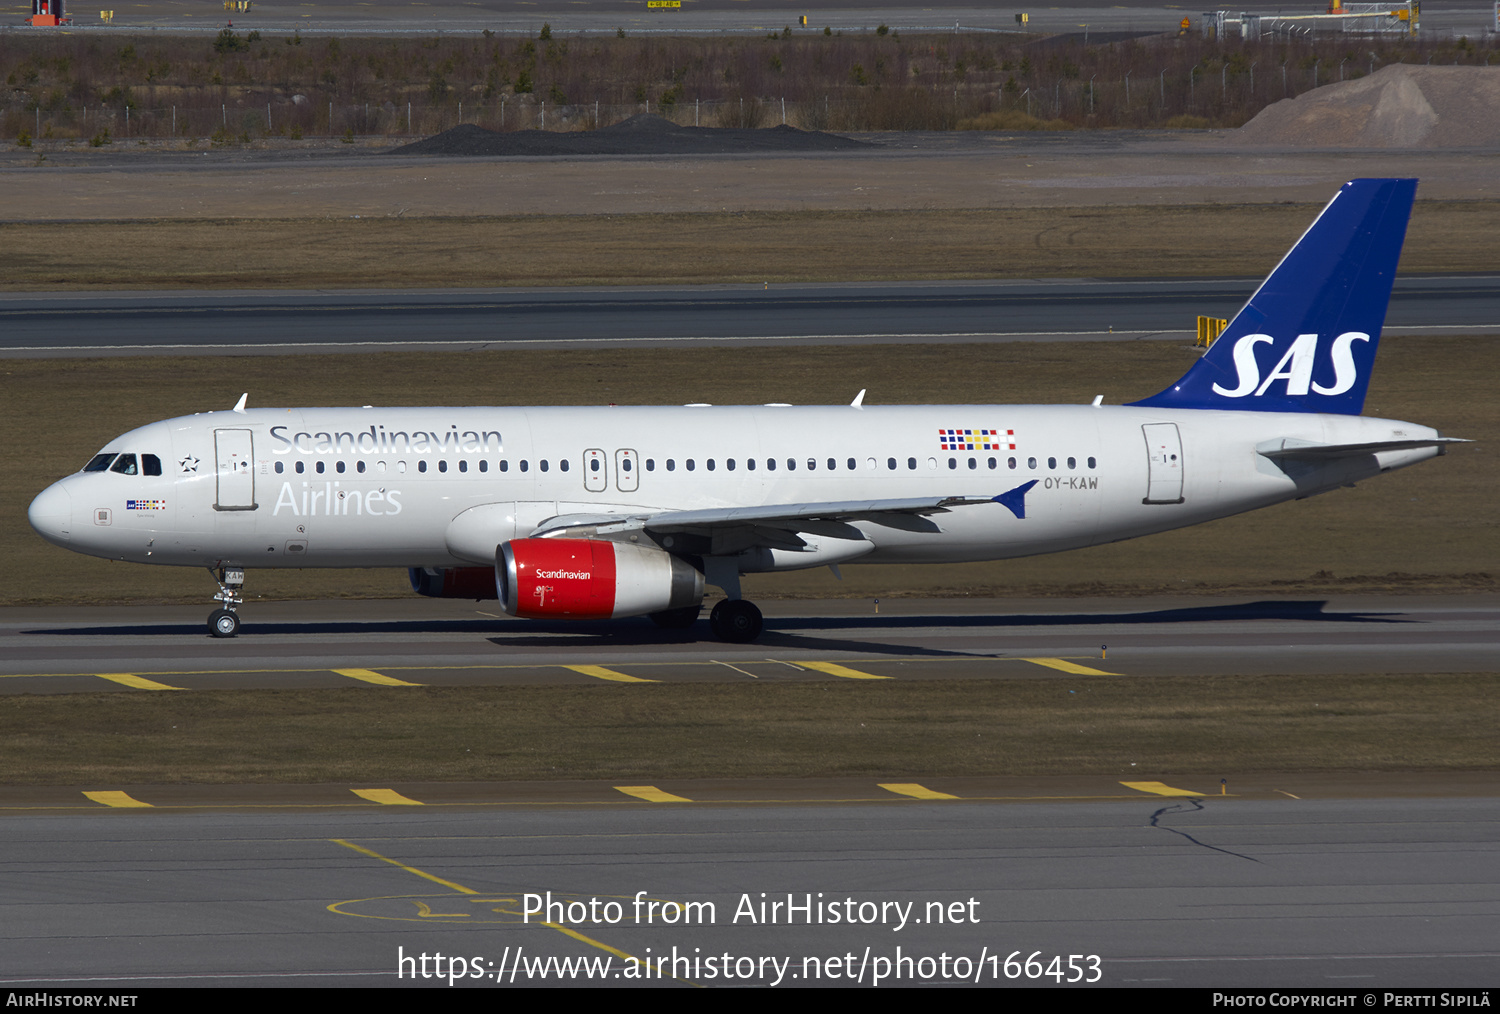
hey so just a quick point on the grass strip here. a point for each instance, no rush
(778, 247)
(1213, 726)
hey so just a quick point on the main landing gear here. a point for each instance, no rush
(225, 621)
(736, 621)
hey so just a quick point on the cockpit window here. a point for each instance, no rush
(150, 464)
(125, 465)
(99, 463)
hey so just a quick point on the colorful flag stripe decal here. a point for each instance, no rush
(977, 440)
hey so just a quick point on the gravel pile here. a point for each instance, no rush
(1399, 106)
(640, 135)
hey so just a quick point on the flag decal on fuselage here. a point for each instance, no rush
(977, 440)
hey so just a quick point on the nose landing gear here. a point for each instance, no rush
(225, 621)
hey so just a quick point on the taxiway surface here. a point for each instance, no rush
(1355, 894)
(460, 643)
(282, 322)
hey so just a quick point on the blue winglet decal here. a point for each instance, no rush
(1305, 342)
(1015, 500)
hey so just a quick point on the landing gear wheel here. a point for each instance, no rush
(223, 623)
(677, 619)
(736, 621)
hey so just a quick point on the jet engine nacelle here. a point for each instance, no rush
(592, 579)
(454, 582)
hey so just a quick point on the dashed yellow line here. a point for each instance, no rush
(914, 790)
(601, 673)
(651, 794)
(1066, 666)
(117, 799)
(387, 797)
(130, 679)
(1159, 789)
(834, 669)
(370, 676)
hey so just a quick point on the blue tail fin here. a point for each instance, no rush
(1305, 342)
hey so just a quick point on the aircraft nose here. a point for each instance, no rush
(51, 514)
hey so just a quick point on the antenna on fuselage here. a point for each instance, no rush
(239, 406)
(859, 399)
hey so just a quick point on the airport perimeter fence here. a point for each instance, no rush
(1225, 94)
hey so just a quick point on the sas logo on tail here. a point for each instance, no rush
(1295, 367)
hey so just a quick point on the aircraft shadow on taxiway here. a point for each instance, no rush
(781, 631)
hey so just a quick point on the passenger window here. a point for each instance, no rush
(421, 466)
(99, 463)
(1031, 463)
(852, 465)
(125, 465)
(973, 463)
(542, 464)
(710, 464)
(151, 464)
(442, 465)
(463, 466)
(359, 466)
(770, 464)
(671, 464)
(911, 464)
(484, 466)
(318, 467)
(952, 463)
(339, 467)
(992, 464)
(791, 464)
(750, 464)
(1051, 462)
(504, 465)
(890, 463)
(691, 464)
(563, 465)
(298, 467)
(1072, 462)
(1091, 463)
(279, 467)
(1010, 462)
(650, 464)
(812, 464)
(729, 464)
(525, 465)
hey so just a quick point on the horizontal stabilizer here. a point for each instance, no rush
(1291, 449)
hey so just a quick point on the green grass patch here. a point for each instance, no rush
(1212, 726)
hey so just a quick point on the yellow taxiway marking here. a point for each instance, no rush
(651, 794)
(1159, 789)
(834, 669)
(374, 677)
(466, 890)
(114, 799)
(389, 797)
(130, 679)
(1066, 666)
(601, 673)
(461, 889)
(914, 790)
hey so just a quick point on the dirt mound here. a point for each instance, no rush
(1398, 106)
(640, 135)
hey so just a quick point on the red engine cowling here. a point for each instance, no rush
(454, 582)
(592, 579)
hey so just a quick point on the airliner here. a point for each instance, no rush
(613, 512)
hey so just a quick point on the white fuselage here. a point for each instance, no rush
(440, 487)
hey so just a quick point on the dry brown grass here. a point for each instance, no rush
(1215, 727)
(818, 246)
(1426, 528)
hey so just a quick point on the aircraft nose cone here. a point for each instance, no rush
(51, 514)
